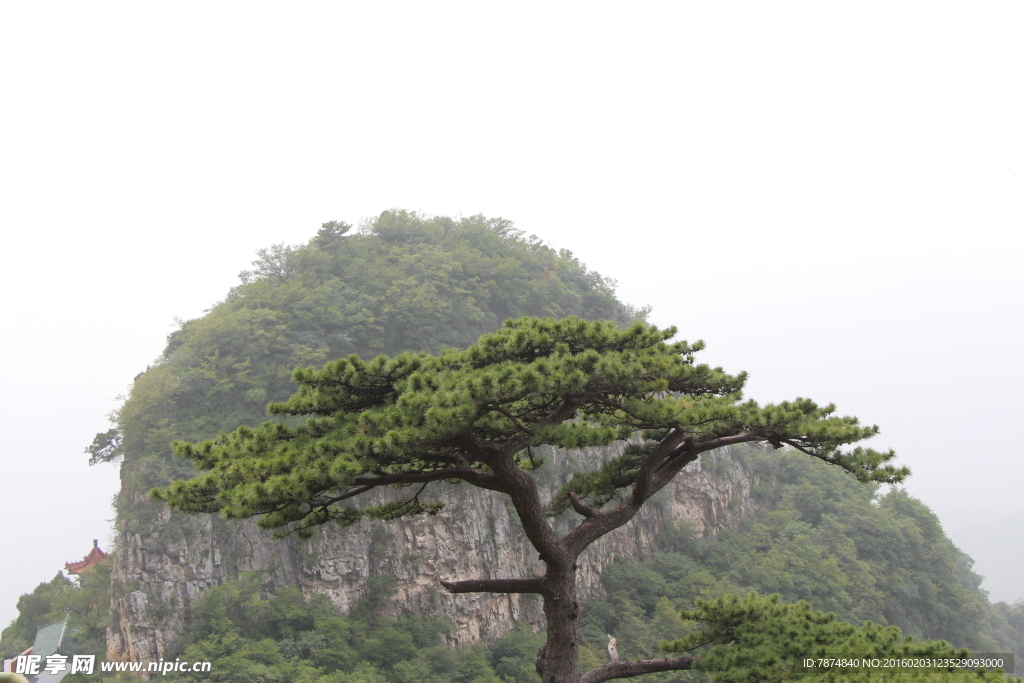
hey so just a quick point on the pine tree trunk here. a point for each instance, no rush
(558, 660)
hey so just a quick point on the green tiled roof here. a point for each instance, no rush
(54, 638)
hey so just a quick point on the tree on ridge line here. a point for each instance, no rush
(473, 416)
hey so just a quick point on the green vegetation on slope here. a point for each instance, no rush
(412, 283)
(251, 632)
(87, 603)
(758, 639)
(405, 282)
(820, 537)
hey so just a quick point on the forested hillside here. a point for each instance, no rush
(864, 554)
(187, 586)
(820, 536)
(402, 282)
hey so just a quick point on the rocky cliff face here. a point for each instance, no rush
(165, 560)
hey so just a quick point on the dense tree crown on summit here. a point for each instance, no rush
(475, 415)
(402, 282)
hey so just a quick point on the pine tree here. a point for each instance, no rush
(474, 416)
(758, 639)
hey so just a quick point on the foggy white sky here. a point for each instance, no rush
(829, 196)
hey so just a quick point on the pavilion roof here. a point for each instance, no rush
(94, 557)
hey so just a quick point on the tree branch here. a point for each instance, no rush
(638, 668)
(581, 507)
(684, 455)
(559, 414)
(645, 477)
(513, 419)
(476, 477)
(596, 526)
(522, 489)
(350, 493)
(600, 523)
(493, 586)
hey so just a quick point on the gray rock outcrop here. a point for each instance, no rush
(166, 560)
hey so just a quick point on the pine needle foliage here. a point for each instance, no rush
(760, 639)
(416, 418)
